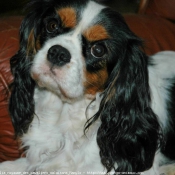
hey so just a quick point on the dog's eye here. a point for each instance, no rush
(98, 50)
(52, 26)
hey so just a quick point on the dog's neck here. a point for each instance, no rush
(49, 103)
(59, 125)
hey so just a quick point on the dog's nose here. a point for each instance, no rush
(58, 55)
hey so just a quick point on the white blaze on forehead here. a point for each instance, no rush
(90, 12)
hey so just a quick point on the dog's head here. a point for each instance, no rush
(74, 46)
(77, 48)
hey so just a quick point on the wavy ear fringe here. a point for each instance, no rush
(21, 105)
(129, 133)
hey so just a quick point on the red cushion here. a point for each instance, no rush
(161, 8)
(157, 33)
(9, 29)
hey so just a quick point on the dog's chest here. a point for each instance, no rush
(59, 127)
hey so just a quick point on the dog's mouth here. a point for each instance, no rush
(49, 67)
(40, 80)
(43, 74)
(66, 80)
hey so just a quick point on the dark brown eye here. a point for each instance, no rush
(52, 26)
(98, 50)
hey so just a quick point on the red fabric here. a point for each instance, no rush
(9, 29)
(161, 8)
(157, 33)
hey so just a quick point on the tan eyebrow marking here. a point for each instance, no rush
(68, 17)
(96, 33)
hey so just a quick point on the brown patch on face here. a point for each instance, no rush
(37, 43)
(68, 17)
(96, 33)
(95, 81)
(31, 44)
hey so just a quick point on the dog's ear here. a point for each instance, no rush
(129, 132)
(21, 105)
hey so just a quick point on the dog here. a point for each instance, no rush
(85, 98)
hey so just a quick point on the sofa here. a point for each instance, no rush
(154, 23)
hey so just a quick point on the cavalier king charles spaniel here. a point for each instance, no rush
(85, 98)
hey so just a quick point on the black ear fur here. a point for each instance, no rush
(21, 105)
(129, 132)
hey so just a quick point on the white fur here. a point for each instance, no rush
(67, 79)
(63, 142)
(89, 14)
(159, 76)
(62, 145)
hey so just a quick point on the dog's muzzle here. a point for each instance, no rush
(58, 55)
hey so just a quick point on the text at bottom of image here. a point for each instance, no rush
(70, 173)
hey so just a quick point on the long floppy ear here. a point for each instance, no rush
(21, 104)
(129, 131)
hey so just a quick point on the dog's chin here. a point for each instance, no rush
(66, 91)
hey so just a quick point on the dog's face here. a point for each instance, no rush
(75, 48)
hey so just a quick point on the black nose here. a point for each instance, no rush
(58, 55)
